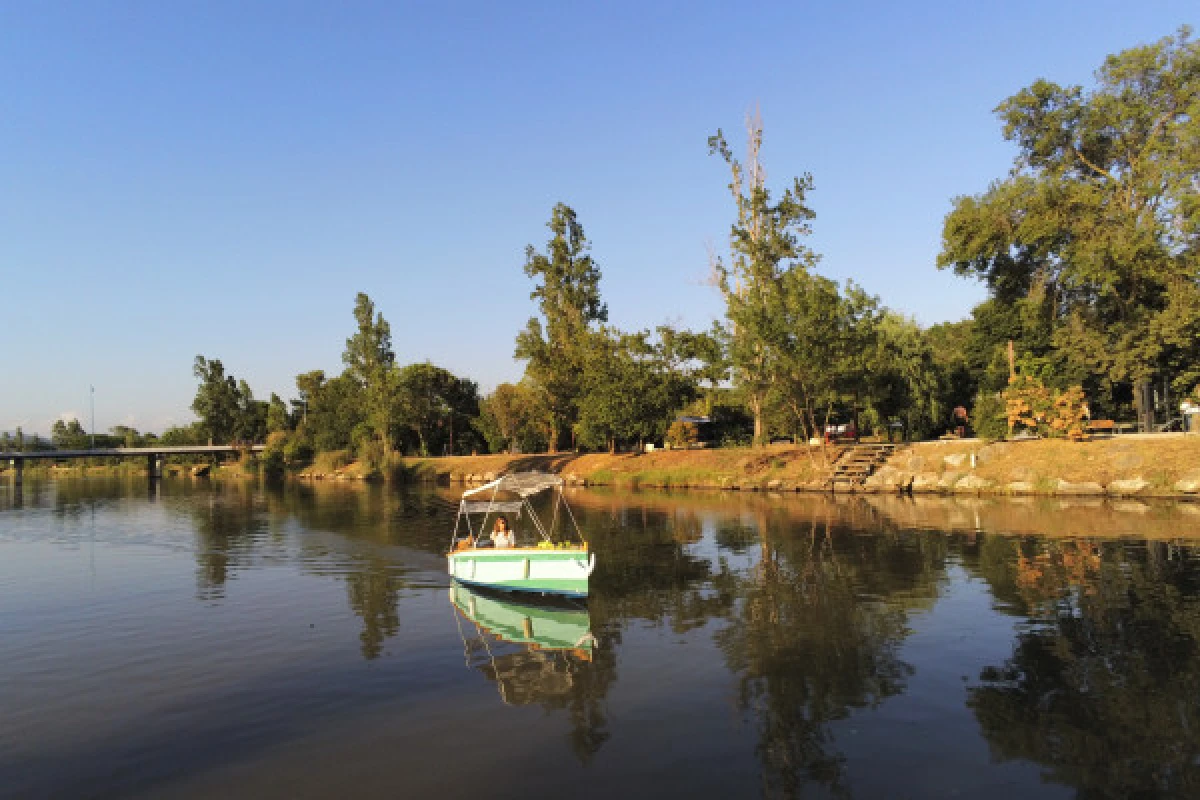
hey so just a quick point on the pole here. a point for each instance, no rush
(93, 388)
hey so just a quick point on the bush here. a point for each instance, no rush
(332, 460)
(988, 417)
(683, 434)
(297, 453)
(273, 463)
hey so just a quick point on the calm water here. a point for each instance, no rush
(224, 640)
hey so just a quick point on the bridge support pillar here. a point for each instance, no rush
(154, 464)
(18, 465)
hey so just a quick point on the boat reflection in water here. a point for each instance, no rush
(532, 650)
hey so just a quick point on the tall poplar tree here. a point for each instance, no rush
(568, 295)
(370, 361)
(765, 249)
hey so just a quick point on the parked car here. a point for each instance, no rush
(845, 430)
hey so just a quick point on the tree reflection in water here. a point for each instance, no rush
(815, 633)
(1102, 688)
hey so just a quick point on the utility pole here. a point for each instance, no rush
(93, 388)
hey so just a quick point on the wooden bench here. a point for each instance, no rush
(1106, 426)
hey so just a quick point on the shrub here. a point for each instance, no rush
(683, 434)
(988, 416)
(332, 460)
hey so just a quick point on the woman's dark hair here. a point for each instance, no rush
(501, 518)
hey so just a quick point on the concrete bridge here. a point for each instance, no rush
(153, 455)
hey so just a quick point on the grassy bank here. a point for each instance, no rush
(1163, 465)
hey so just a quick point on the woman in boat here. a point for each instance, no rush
(502, 535)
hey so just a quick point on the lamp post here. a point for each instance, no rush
(93, 388)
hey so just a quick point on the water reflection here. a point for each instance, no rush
(815, 633)
(811, 619)
(1102, 687)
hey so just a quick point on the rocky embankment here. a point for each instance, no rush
(1161, 465)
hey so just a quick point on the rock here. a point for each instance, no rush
(1128, 486)
(949, 479)
(1020, 487)
(925, 482)
(1085, 487)
(991, 451)
(774, 485)
(915, 463)
(973, 483)
(1023, 475)
(955, 460)
(1127, 461)
(489, 477)
(1188, 485)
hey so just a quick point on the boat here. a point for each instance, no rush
(548, 565)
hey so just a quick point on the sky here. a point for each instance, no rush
(221, 178)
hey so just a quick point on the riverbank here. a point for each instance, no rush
(1164, 465)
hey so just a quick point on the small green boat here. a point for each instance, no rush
(541, 566)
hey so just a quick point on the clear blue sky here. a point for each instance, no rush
(222, 177)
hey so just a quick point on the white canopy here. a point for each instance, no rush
(526, 484)
(487, 506)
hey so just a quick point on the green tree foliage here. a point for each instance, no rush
(330, 410)
(765, 260)
(906, 383)
(826, 348)
(181, 436)
(370, 362)
(278, 418)
(1089, 246)
(437, 409)
(514, 418)
(632, 385)
(69, 435)
(568, 296)
(218, 401)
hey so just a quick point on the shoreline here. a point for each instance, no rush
(1163, 466)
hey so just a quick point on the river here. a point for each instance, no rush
(201, 639)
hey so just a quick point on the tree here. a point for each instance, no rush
(68, 435)
(432, 404)
(277, 415)
(765, 252)
(217, 401)
(371, 362)
(330, 410)
(1090, 244)
(568, 296)
(632, 385)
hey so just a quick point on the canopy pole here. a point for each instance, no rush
(557, 502)
(578, 532)
(536, 521)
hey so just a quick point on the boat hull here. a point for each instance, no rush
(532, 570)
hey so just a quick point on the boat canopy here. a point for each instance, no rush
(526, 484)
(489, 506)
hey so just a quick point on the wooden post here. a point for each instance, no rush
(18, 465)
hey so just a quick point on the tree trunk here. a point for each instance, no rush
(756, 407)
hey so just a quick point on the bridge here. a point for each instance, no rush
(153, 455)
